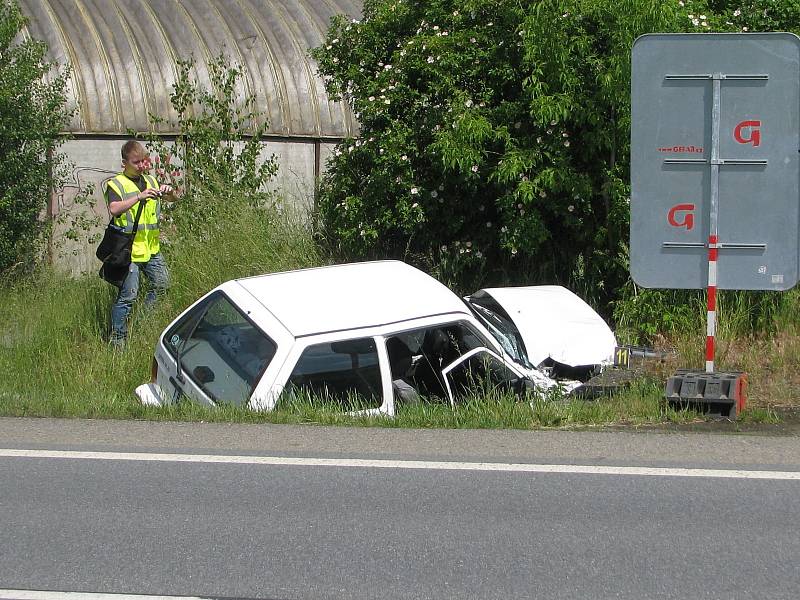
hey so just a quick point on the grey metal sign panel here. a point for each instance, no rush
(715, 150)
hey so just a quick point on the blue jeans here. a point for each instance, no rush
(157, 275)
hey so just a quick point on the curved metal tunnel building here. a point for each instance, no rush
(122, 55)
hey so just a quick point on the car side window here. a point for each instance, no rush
(345, 373)
(221, 350)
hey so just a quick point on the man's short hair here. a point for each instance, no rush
(130, 147)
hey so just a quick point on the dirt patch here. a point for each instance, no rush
(788, 425)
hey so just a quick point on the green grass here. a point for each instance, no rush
(56, 361)
(54, 354)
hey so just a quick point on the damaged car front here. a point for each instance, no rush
(547, 330)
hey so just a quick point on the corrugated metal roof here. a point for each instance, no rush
(123, 54)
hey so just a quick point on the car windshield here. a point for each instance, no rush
(221, 351)
(502, 328)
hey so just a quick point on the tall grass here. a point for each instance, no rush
(53, 329)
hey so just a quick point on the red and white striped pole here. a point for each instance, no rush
(711, 323)
(713, 233)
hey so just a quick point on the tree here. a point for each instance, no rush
(32, 117)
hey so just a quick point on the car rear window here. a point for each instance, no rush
(220, 349)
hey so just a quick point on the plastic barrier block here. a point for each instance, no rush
(723, 393)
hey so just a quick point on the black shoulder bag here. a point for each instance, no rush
(115, 250)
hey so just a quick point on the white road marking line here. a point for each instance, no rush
(45, 595)
(282, 461)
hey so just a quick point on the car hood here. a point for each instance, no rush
(553, 322)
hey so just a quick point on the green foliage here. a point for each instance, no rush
(642, 315)
(32, 115)
(494, 136)
(226, 223)
(743, 15)
(219, 147)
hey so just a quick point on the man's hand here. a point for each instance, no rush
(149, 193)
(166, 192)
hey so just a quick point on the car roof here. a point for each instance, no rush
(351, 296)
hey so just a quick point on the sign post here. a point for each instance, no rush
(715, 173)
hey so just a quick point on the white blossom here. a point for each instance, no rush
(737, 12)
(474, 168)
(414, 192)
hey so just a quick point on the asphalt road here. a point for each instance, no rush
(340, 530)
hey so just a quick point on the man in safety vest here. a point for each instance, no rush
(125, 193)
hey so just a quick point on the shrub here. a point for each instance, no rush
(494, 137)
(32, 115)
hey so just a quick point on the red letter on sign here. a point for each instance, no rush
(687, 220)
(755, 134)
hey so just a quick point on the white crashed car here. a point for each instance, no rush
(364, 335)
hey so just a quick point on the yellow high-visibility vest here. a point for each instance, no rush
(146, 243)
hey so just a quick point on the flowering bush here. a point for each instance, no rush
(494, 136)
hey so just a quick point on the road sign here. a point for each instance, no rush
(715, 161)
